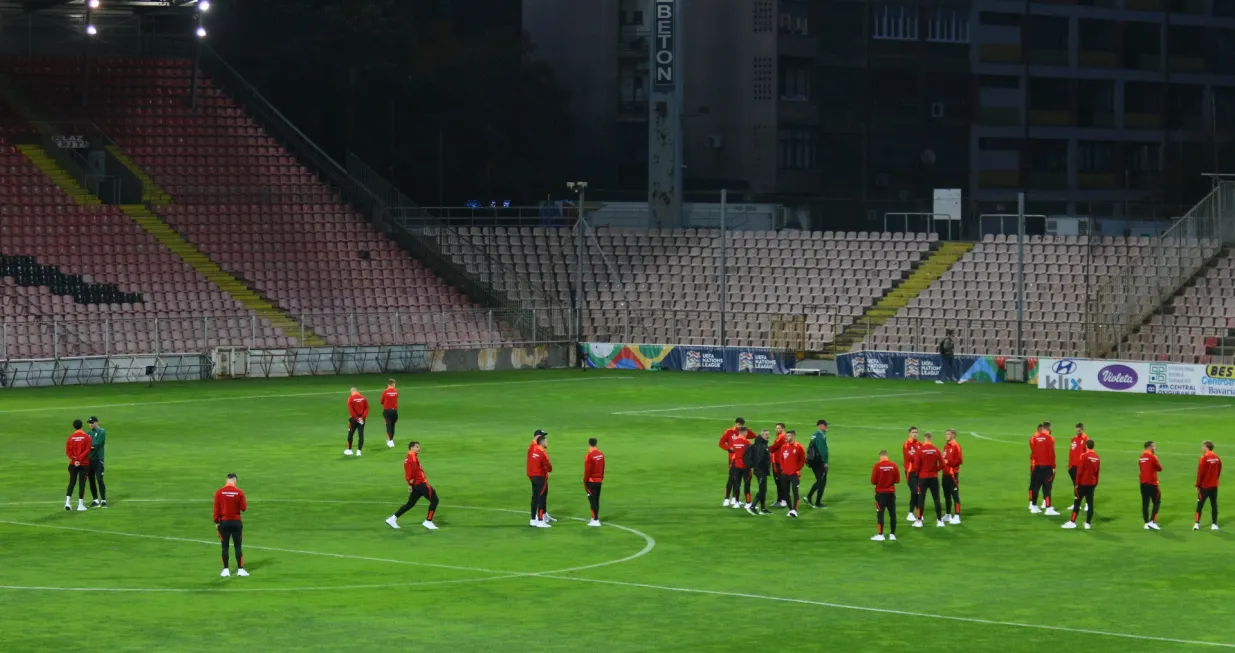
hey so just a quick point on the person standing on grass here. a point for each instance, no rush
(774, 449)
(884, 476)
(593, 476)
(947, 358)
(1042, 460)
(792, 459)
(390, 411)
(817, 460)
(358, 412)
(740, 473)
(417, 486)
(910, 452)
(1207, 473)
(928, 464)
(1086, 483)
(759, 461)
(952, 460)
(77, 448)
(726, 438)
(229, 502)
(538, 468)
(1075, 450)
(98, 443)
(1149, 485)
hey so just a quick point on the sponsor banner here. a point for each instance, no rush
(928, 367)
(1184, 379)
(686, 358)
(664, 52)
(1099, 375)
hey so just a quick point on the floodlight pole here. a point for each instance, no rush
(197, 60)
(581, 224)
(724, 271)
(85, 57)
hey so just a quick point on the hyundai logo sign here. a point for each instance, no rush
(1064, 368)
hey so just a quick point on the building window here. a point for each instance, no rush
(1095, 156)
(796, 149)
(895, 23)
(948, 25)
(1146, 157)
(795, 83)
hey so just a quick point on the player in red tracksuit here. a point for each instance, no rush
(593, 476)
(1086, 483)
(538, 468)
(1042, 463)
(792, 458)
(952, 460)
(77, 448)
(739, 425)
(357, 413)
(390, 411)
(229, 502)
(1075, 450)
(909, 452)
(737, 467)
(782, 499)
(884, 476)
(928, 463)
(417, 486)
(1150, 466)
(1207, 473)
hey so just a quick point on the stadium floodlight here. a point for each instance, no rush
(201, 32)
(94, 4)
(203, 6)
(91, 30)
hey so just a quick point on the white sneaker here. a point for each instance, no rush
(357, 453)
(939, 524)
(1034, 510)
(225, 573)
(531, 522)
(393, 521)
(892, 538)
(911, 517)
(241, 572)
(390, 444)
(1213, 527)
(1154, 525)
(726, 503)
(939, 382)
(541, 524)
(947, 518)
(781, 504)
(1069, 524)
(549, 519)
(81, 506)
(594, 523)
(917, 524)
(751, 510)
(878, 538)
(793, 513)
(429, 525)
(736, 504)
(68, 505)
(347, 452)
(1087, 526)
(956, 519)
(1051, 512)
(746, 505)
(1196, 526)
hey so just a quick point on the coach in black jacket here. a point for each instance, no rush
(759, 460)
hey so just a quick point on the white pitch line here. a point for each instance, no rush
(1177, 410)
(819, 400)
(902, 613)
(983, 437)
(410, 388)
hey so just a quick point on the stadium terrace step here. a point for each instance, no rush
(923, 275)
(59, 176)
(190, 254)
(151, 192)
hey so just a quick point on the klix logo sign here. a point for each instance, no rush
(1063, 376)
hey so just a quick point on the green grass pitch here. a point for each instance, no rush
(671, 571)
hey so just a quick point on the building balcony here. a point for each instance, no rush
(1143, 120)
(1000, 52)
(999, 115)
(1097, 180)
(797, 111)
(1097, 59)
(1050, 118)
(999, 178)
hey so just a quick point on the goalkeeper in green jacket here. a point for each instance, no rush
(817, 460)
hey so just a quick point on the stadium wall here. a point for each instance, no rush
(685, 358)
(929, 367)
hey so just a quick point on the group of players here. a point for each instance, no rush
(85, 450)
(924, 463)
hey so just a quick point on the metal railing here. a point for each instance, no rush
(1124, 300)
(623, 323)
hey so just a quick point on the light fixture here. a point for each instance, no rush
(94, 4)
(202, 6)
(91, 30)
(201, 32)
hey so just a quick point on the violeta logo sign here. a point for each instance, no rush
(1118, 377)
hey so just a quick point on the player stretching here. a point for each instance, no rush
(928, 464)
(98, 443)
(229, 502)
(884, 476)
(738, 471)
(1075, 450)
(358, 412)
(952, 460)
(390, 411)
(538, 468)
(593, 476)
(1149, 485)
(417, 486)
(817, 460)
(77, 448)
(1042, 461)
(910, 451)
(739, 424)
(792, 457)
(1207, 473)
(1086, 483)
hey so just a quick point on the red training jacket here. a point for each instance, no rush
(884, 476)
(1078, 448)
(910, 451)
(1208, 471)
(358, 406)
(538, 462)
(952, 458)
(412, 471)
(229, 502)
(725, 437)
(1150, 467)
(1087, 471)
(775, 448)
(792, 458)
(594, 467)
(929, 461)
(737, 451)
(1042, 450)
(77, 448)
(390, 399)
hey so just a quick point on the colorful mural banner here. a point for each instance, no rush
(686, 358)
(929, 367)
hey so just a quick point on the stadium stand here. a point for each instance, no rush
(1194, 323)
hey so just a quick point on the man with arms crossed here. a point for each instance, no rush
(884, 476)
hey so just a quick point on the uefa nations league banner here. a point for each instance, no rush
(1137, 376)
(686, 358)
(928, 367)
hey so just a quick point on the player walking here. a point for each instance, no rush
(792, 458)
(390, 411)
(229, 502)
(739, 424)
(1042, 461)
(418, 487)
(1086, 483)
(538, 468)
(910, 452)
(884, 476)
(817, 460)
(593, 476)
(952, 460)
(1149, 485)
(77, 448)
(98, 443)
(739, 471)
(928, 463)
(358, 412)
(1207, 473)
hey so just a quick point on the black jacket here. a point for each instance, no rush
(757, 457)
(946, 346)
